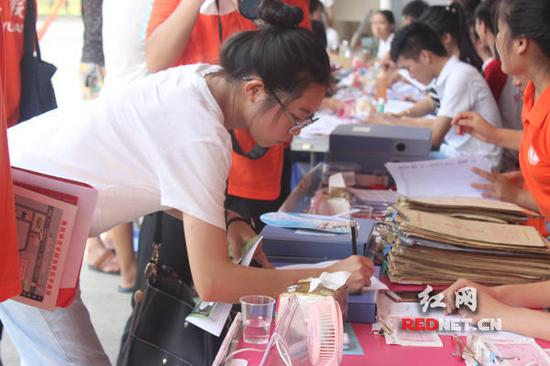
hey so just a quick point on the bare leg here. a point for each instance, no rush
(100, 258)
(121, 237)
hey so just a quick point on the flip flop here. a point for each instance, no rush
(106, 263)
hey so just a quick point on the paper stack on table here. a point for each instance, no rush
(430, 248)
(471, 208)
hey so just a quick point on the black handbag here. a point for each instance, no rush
(37, 94)
(159, 334)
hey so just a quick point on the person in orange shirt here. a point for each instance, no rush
(12, 19)
(523, 43)
(509, 186)
(9, 260)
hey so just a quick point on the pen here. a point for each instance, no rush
(353, 228)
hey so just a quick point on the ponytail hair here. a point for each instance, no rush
(287, 58)
(452, 20)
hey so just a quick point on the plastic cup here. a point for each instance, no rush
(257, 313)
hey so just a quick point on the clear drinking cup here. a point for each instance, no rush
(257, 313)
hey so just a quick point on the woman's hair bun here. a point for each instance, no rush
(278, 14)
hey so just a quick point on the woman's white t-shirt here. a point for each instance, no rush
(160, 144)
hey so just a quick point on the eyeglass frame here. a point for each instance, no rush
(297, 125)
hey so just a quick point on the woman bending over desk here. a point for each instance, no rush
(523, 43)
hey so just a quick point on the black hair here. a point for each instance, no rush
(320, 32)
(412, 39)
(386, 14)
(315, 5)
(486, 13)
(285, 57)
(528, 18)
(469, 7)
(451, 19)
(414, 9)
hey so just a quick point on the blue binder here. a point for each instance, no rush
(301, 246)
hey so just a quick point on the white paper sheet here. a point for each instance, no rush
(375, 284)
(214, 322)
(388, 309)
(325, 125)
(439, 178)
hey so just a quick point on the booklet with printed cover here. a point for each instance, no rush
(44, 227)
(53, 218)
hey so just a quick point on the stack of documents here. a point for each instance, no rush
(470, 208)
(434, 248)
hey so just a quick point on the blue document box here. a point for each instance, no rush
(301, 246)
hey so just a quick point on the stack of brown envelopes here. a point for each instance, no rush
(439, 248)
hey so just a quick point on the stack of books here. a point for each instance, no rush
(470, 238)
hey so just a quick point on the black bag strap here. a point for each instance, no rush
(157, 238)
(30, 37)
(220, 28)
(152, 270)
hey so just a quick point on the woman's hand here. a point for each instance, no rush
(361, 269)
(382, 118)
(238, 234)
(487, 307)
(450, 292)
(515, 177)
(500, 187)
(473, 124)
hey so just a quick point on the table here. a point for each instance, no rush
(378, 353)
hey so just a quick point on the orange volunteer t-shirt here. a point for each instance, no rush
(534, 153)
(9, 257)
(12, 17)
(253, 179)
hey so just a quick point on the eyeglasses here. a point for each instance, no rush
(297, 125)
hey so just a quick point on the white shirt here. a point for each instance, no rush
(462, 88)
(160, 144)
(327, 3)
(384, 47)
(124, 41)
